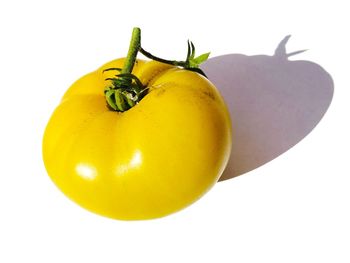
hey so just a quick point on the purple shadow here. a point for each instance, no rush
(274, 103)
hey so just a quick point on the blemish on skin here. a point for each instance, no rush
(209, 94)
(160, 92)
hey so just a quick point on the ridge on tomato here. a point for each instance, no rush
(138, 139)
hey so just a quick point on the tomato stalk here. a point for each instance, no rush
(126, 90)
(135, 44)
(191, 62)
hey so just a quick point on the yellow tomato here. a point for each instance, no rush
(147, 162)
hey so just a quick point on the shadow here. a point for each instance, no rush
(274, 103)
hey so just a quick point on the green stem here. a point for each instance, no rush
(134, 47)
(126, 90)
(191, 62)
(124, 94)
(171, 62)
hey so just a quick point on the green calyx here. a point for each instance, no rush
(126, 90)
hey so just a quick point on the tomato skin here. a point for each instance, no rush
(150, 161)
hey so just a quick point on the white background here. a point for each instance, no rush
(293, 209)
